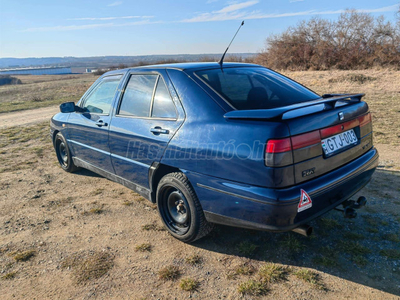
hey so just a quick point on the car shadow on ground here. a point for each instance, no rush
(365, 250)
(85, 172)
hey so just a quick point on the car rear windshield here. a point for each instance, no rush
(255, 87)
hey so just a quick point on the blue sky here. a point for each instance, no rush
(44, 28)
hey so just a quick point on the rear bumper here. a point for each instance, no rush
(240, 205)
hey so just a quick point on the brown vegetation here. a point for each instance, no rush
(354, 41)
(6, 79)
(43, 90)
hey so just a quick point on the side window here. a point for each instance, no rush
(100, 99)
(163, 107)
(137, 96)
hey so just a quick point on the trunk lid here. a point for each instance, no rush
(345, 121)
(340, 122)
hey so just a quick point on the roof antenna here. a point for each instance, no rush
(221, 61)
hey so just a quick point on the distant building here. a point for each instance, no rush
(37, 71)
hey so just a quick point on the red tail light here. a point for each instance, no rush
(338, 128)
(278, 146)
(306, 139)
(365, 119)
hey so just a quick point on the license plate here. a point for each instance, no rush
(336, 142)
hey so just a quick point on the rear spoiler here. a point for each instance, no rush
(329, 100)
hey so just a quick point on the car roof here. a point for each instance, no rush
(196, 66)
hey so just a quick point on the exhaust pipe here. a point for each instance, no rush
(305, 230)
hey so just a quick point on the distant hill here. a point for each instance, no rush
(106, 61)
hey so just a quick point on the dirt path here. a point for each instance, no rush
(27, 116)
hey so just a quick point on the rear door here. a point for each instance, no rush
(146, 119)
(88, 131)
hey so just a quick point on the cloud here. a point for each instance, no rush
(88, 26)
(230, 12)
(211, 1)
(235, 7)
(115, 3)
(110, 18)
(227, 13)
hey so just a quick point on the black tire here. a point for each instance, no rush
(64, 154)
(180, 209)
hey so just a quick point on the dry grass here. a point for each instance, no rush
(169, 273)
(247, 248)
(245, 269)
(9, 275)
(273, 273)
(292, 244)
(194, 260)
(353, 248)
(42, 91)
(392, 237)
(390, 253)
(18, 146)
(152, 227)
(89, 266)
(253, 288)
(189, 284)
(25, 255)
(310, 277)
(145, 247)
(94, 211)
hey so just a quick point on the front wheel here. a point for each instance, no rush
(64, 154)
(180, 209)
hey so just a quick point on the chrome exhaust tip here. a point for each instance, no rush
(305, 230)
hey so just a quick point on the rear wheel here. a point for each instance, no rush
(63, 154)
(180, 209)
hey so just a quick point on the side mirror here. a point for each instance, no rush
(67, 107)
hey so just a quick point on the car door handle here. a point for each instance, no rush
(158, 130)
(101, 123)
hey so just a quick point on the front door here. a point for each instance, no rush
(88, 130)
(146, 119)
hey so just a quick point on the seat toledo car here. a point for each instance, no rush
(240, 145)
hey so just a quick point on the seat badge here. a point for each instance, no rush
(341, 116)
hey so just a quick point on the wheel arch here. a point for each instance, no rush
(156, 172)
(54, 136)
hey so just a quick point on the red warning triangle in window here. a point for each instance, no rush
(305, 201)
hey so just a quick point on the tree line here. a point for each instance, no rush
(354, 41)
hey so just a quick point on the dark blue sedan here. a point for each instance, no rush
(241, 146)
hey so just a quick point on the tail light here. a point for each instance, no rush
(365, 119)
(278, 146)
(326, 132)
(365, 125)
(279, 152)
(306, 139)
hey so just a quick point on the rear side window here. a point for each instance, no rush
(147, 96)
(138, 95)
(100, 99)
(255, 88)
(163, 107)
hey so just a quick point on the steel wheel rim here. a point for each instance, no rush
(175, 210)
(62, 153)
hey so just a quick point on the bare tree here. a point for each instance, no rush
(355, 40)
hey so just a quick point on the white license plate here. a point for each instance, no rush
(336, 142)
